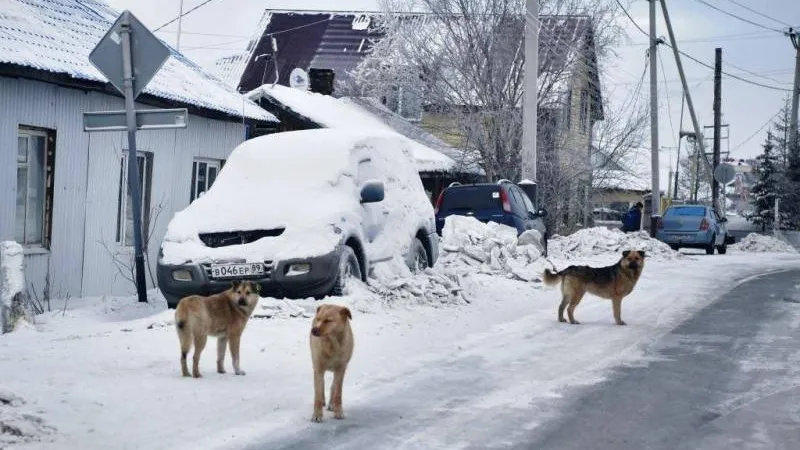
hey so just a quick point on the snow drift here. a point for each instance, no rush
(591, 242)
(759, 243)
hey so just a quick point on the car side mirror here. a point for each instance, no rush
(541, 212)
(372, 191)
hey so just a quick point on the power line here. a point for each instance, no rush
(703, 2)
(758, 35)
(760, 129)
(185, 14)
(759, 13)
(699, 61)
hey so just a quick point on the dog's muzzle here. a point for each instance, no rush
(633, 265)
(242, 302)
(315, 331)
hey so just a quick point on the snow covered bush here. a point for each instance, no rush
(759, 243)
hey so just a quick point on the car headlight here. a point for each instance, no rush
(298, 269)
(181, 275)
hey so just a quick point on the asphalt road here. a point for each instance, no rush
(727, 378)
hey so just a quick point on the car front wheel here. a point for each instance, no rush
(349, 273)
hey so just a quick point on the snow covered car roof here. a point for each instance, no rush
(343, 113)
(300, 181)
(57, 36)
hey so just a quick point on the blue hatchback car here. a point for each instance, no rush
(693, 226)
(503, 202)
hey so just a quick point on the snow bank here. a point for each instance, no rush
(759, 243)
(596, 241)
(17, 427)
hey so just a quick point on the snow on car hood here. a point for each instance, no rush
(277, 181)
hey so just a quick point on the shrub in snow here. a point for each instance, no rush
(759, 243)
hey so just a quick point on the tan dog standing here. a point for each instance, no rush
(610, 282)
(331, 341)
(223, 316)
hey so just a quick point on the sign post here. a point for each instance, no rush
(724, 174)
(129, 55)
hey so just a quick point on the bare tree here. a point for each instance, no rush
(124, 260)
(464, 59)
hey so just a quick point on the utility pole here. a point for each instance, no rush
(717, 119)
(698, 134)
(529, 108)
(795, 38)
(180, 21)
(655, 203)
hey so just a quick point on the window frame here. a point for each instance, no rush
(48, 179)
(209, 162)
(146, 188)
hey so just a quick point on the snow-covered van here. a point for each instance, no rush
(302, 213)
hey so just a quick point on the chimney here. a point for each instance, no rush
(321, 81)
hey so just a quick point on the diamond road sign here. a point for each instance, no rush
(146, 119)
(148, 54)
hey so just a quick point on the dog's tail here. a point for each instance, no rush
(551, 278)
(180, 324)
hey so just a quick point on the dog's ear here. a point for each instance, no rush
(641, 252)
(626, 253)
(345, 312)
(235, 284)
(319, 307)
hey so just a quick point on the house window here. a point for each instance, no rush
(35, 163)
(204, 173)
(584, 110)
(125, 202)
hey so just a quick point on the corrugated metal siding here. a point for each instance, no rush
(87, 181)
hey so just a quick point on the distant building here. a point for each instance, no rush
(64, 191)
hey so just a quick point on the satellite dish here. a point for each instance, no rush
(298, 79)
(361, 22)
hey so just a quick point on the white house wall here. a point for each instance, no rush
(86, 181)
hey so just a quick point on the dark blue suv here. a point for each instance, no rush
(503, 202)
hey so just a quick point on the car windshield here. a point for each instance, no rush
(694, 211)
(471, 197)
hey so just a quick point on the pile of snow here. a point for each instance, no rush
(591, 242)
(471, 246)
(17, 427)
(759, 243)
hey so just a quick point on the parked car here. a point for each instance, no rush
(302, 213)
(693, 226)
(503, 202)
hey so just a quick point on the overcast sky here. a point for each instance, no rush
(223, 27)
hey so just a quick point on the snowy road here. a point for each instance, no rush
(499, 372)
(722, 379)
(727, 378)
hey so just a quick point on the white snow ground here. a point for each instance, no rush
(104, 372)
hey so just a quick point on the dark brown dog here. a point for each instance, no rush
(331, 341)
(611, 282)
(222, 316)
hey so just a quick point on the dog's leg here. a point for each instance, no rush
(561, 307)
(616, 302)
(234, 340)
(186, 345)
(199, 345)
(573, 303)
(319, 395)
(336, 393)
(330, 398)
(222, 343)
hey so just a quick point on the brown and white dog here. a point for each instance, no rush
(331, 341)
(611, 282)
(222, 316)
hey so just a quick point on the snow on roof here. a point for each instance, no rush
(343, 113)
(58, 35)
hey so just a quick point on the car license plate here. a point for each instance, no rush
(685, 237)
(236, 270)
